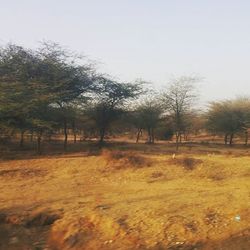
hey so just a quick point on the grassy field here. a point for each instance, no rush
(126, 196)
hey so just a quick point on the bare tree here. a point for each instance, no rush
(178, 100)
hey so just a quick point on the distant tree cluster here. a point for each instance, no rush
(48, 91)
(229, 118)
(52, 92)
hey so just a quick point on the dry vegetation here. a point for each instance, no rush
(124, 159)
(127, 197)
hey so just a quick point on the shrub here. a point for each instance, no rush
(187, 162)
(119, 160)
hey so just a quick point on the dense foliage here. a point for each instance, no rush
(52, 91)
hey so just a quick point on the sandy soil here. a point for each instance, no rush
(137, 198)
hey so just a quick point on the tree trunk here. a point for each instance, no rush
(149, 136)
(84, 136)
(102, 134)
(39, 135)
(31, 136)
(152, 136)
(22, 139)
(177, 141)
(138, 135)
(12, 133)
(65, 134)
(246, 138)
(74, 131)
(225, 139)
(231, 139)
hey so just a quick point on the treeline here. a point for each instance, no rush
(52, 91)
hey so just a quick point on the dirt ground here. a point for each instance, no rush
(127, 197)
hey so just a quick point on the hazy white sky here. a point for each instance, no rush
(150, 39)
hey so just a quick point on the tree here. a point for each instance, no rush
(109, 103)
(178, 100)
(147, 116)
(42, 120)
(193, 122)
(229, 117)
(49, 77)
(18, 67)
(66, 81)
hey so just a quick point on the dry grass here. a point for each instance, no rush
(117, 159)
(217, 175)
(157, 174)
(76, 205)
(23, 173)
(187, 163)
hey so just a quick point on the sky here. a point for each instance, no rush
(155, 40)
